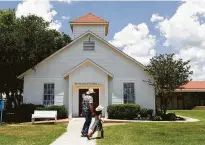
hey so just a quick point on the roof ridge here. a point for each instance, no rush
(78, 17)
(98, 17)
(81, 17)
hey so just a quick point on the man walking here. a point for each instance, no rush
(87, 108)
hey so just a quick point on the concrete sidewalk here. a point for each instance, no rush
(73, 134)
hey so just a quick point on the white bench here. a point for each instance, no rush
(44, 114)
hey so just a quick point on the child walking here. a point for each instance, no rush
(97, 125)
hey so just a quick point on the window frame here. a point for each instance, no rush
(89, 49)
(126, 101)
(50, 102)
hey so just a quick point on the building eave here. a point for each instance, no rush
(82, 63)
(189, 90)
(87, 23)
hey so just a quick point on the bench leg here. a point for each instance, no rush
(32, 120)
(55, 120)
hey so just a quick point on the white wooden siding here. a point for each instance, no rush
(34, 89)
(81, 29)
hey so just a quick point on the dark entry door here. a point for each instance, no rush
(94, 95)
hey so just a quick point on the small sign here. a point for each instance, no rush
(1, 105)
(87, 83)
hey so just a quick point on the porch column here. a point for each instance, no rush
(70, 98)
(106, 99)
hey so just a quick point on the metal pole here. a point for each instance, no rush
(1, 115)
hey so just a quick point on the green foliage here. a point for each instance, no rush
(150, 112)
(24, 112)
(24, 42)
(169, 117)
(146, 112)
(157, 118)
(143, 112)
(61, 111)
(168, 74)
(123, 111)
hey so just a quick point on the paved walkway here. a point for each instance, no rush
(73, 135)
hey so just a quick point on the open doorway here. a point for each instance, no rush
(94, 95)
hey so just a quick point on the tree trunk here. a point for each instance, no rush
(8, 101)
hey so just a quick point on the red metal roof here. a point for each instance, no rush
(89, 18)
(194, 85)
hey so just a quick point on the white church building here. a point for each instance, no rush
(89, 61)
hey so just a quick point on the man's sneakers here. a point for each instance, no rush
(88, 137)
(83, 134)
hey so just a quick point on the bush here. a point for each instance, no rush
(158, 112)
(170, 117)
(61, 111)
(150, 112)
(9, 117)
(123, 111)
(146, 112)
(143, 112)
(25, 111)
(157, 118)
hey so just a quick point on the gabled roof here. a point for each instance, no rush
(98, 37)
(192, 86)
(87, 61)
(89, 18)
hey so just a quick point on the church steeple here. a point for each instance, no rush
(89, 22)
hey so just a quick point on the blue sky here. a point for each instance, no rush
(119, 14)
(175, 26)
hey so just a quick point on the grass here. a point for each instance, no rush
(158, 133)
(30, 134)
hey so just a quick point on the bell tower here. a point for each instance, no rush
(89, 22)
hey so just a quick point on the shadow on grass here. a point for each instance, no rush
(96, 138)
(44, 123)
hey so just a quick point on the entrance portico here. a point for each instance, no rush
(74, 98)
(84, 76)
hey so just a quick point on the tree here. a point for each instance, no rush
(168, 74)
(24, 42)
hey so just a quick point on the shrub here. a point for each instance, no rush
(61, 110)
(157, 118)
(143, 112)
(170, 117)
(146, 113)
(150, 112)
(158, 112)
(25, 111)
(123, 111)
(9, 117)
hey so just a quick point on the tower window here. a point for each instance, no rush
(89, 45)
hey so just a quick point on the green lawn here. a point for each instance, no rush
(30, 134)
(158, 133)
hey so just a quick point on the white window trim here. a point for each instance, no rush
(53, 92)
(124, 82)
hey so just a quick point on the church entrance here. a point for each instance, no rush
(95, 96)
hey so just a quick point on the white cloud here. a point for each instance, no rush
(67, 1)
(41, 8)
(184, 32)
(55, 25)
(156, 18)
(65, 17)
(136, 42)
